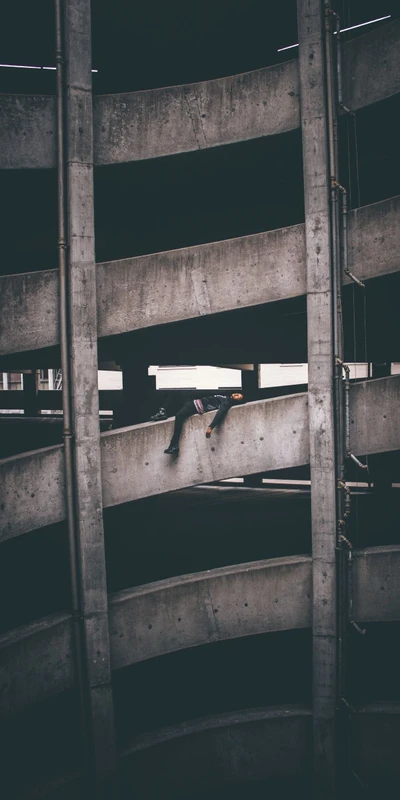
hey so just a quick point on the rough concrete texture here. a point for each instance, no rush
(376, 736)
(28, 127)
(374, 416)
(196, 281)
(240, 747)
(226, 603)
(371, 66)
(265, 435)
(159, 122)
(373, 239)
(247, 271)
(376, 581)
(36, 662)
(256, 437)
(32, 491)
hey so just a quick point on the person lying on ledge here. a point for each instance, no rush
(214, 402)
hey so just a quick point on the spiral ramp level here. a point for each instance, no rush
(266, 742)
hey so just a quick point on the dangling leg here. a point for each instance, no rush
(185, 412)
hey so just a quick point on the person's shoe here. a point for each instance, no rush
(161, 414)
(172, 450)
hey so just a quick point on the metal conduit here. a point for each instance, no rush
(68, 436)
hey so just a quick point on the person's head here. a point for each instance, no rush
(237, 397)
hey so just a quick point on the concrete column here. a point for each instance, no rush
(30, 393)
(320, 388)
(139, 393)
(84, 389)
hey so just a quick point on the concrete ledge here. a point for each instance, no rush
(161, 288)
(257, 437)
(227, 603)
(36, 662)
(28, 131)
(159, 122)
(376, 581)
(371, 67)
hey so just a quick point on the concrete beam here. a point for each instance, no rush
(257, 437)
(194, 281)
(376, 596)
(28, 127)
(226, 603)
(158, 122)
(36, 662)
(371, 66)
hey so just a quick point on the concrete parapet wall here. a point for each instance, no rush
(255, 437)
(227, 603)
(36, 661)
(195, 281)
(158, 122)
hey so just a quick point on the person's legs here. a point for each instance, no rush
(184, 413)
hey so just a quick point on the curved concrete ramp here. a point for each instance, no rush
(177, 285)
(36, 661)
(159, 122)
(226, 603)
(257, 437)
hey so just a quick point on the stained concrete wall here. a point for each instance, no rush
(226, 603)
(195, 281)
(159, 122)
(256, 437)
(36, 660)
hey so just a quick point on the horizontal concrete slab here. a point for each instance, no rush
(159, 122)
(195, 281)
(36, 661)
(376, 582)
(227, 603)
(371, 66)
(256, 437)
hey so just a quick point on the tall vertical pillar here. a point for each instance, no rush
(320, 388)
(84, 396)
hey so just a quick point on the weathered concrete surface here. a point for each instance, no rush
(256, 437)
(32, 491)
(376, 736)
(371, 66)
(159, 122)
(36, 662)
(91, 603)
(374, 416)
(28, 128)
(313, 80)
(374, 239)
(247, 271)
(376, 582)
(226, 603)
(240, 747)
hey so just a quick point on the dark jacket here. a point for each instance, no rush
(220, 402)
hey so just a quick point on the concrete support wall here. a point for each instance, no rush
(36, 660)
(247, 271)
(84, 389)
(320, 389)
(257, 437)
(158, 122)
